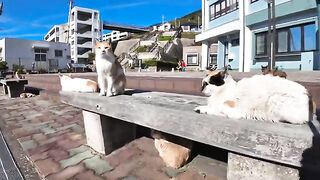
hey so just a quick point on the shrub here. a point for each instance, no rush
(165, 38)
(142, 49)
(18, 68)
(3, 65)
(161, 65)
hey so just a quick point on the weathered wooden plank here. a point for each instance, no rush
(173, 114)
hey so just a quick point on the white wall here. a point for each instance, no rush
(15, 49)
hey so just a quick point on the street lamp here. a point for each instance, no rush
(271, 50)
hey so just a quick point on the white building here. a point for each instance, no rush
(35, 55)
(115, 36)
(58, 33)
(241, 30)
(85, 29)
(162, 27)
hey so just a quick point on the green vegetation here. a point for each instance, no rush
(161, 65)
(91, 57)
(18, 68)
(188, 35)
(165, 38)
(3, 65)
(142, 49)
(192, 17)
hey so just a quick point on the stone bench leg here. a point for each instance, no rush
(5, 89)
(15, 90)
(246, 168)
(105, 134)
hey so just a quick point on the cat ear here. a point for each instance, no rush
(109, 41)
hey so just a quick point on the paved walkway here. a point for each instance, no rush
(52, 136)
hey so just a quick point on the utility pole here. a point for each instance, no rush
(198, 22)
(162, 19)
(271, 50)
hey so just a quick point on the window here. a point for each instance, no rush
(309, 35)
(192, 59)
(223, 7)
(58, 53)
(235, 42)
(212, 59)
(282, 41)
(261, 44)
(289, 40)
(40, 54)
(252, 1)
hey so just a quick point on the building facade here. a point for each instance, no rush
(240, 28)
(84, 30)
(35, 55)
(192, 55)
(115, 36)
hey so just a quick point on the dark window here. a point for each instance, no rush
(289, 40)
(58, 53)
(40, 54)
(192, 59)
(252, 1)
(223, 7)
(261, 44)
(235, 42)
(213, 59)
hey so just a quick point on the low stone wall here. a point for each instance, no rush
(181, 82)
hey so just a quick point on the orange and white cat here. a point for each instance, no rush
(111, 77)
(77, 84)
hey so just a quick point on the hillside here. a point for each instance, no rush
(192, 17)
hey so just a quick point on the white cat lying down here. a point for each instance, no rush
(77, 84)
(264, 98)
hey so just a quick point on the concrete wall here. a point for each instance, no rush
(15, 49)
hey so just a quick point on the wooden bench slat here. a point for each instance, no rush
(173, 114)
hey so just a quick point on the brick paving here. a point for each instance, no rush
(52, 136)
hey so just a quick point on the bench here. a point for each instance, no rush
(256, 150)
(13, 87)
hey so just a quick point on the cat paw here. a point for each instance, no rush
(102, 94)
(201, 109)
(109, 94)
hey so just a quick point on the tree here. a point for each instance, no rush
(3, 65)
(91, 57)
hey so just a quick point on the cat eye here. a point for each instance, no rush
(99, 47)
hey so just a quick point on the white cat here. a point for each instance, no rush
(111, 78)
(77, 84)
(264, 98)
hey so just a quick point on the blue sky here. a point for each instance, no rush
(32, 19)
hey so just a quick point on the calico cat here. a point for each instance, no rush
(264, 98)
(111, 77)
(77, 84)
(275, 72)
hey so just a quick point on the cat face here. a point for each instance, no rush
(212, 81)
(102, 49)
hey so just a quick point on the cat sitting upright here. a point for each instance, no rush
(264, 98)
(77, 84)
(111, 78)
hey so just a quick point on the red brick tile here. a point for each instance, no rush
(26, 138)
(42, 148)
(67, 173)
(122, 155)
(21, 132)
(39, 137)
(58, 154)
(39, 156)
(67, 144)
(88, 175)
(47, 166)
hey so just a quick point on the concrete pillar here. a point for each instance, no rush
(220, 55)
(205, 55)
(248, 50)
(245, 168)
(105, 134)
(317, 53)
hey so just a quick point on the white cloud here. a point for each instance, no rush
(125, 5)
